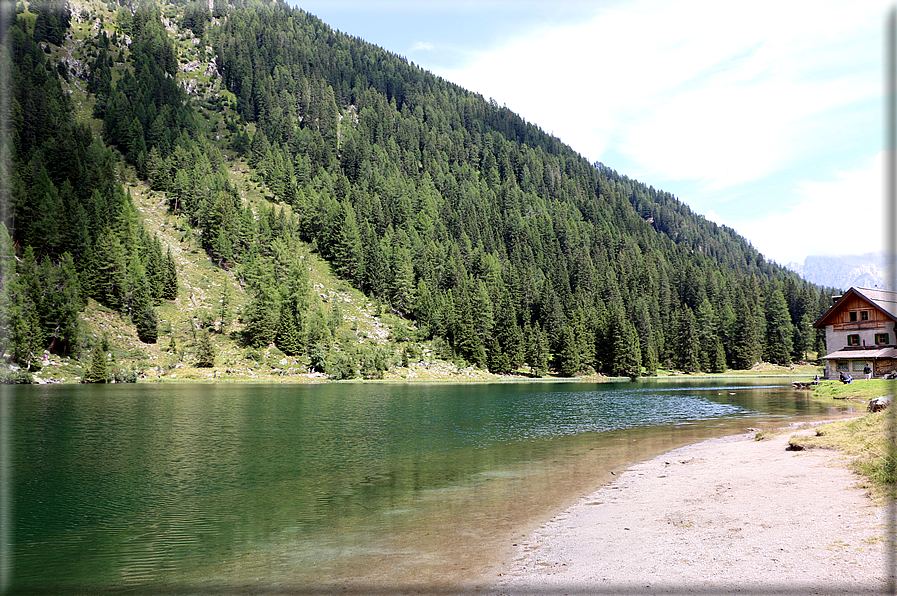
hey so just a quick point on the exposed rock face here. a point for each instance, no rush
(865, 271)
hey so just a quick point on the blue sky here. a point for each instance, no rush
(764, 116)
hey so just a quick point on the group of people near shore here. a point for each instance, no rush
(867, 370)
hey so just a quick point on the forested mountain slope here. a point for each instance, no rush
(506, 248)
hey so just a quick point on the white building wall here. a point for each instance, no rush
(834, 341)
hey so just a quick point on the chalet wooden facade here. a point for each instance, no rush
(859, 331)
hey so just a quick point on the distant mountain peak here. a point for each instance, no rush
(867, 270)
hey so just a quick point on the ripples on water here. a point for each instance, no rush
(145, 484)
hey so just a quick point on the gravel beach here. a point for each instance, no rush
(724, 516)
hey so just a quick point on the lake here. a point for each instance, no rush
(328, 488)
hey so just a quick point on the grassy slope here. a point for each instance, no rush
(868, 439)
(201, 282)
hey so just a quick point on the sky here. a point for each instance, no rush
(766, 117)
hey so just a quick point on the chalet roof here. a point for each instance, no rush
(871, 354)
(883, 300)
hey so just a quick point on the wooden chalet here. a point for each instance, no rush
(860, 330)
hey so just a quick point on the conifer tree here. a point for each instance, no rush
(498, 361)
(98, 371)
(141, 306)
(708, 339)
(686, 341)
(224, 313)
(64, 302)
(205, 350)
(288, 339)
(645, 332)
(568, 356)
(170, 278)
(779, 330)
(747, 349)
(261, 317)
(28, 338)
(402, 290)
(536, 349)
(7, 284)
(717, 357)
(627, 348)
(347, 252)
(109, 271)
(803, 338)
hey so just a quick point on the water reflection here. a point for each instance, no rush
(222, 484)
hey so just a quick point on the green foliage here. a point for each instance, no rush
(868, 439)
(15, 377)
(288, 339)
(98, 371)
(506, 247)
(205, 350)
(340, 366)
(627, 350)
(568, 357)
(779, 330)
(318, 357)
(374, 361)
(261, 318)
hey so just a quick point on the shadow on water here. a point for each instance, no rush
(333, 486)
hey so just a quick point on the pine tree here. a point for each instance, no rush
(536, 349)
(7, 284)
(224, 313)
(645, 331)
(28, 337)
(170, 278)
(627, 348)
(402, 290)
(261, 317)
(98, 371)
(804, 336)
(109, 271)
(686, 341)
(568, 356)
(747, 348)
(141, 306)
(779, 330)
(717, 356)
(347, 245)
(66, 301)
(708, 339)
(288, 339)
(205, 350)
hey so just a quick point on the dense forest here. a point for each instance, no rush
(506, 248)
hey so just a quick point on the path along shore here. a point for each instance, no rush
(724, 516)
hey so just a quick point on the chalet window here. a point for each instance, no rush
(864, 315)
(844, 365)
(882, 339)
(853, 340)
(858, 365)
(853, 316)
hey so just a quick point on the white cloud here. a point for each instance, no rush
(691, 90)
(842, 216)
(422, 45)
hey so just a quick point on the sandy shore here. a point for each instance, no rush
(724, 516)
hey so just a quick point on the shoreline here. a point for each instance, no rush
(305, 379)
(724, 515)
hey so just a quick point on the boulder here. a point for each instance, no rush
(879, 403)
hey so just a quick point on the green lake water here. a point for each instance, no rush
(202, 488)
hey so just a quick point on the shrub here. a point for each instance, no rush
(15, 377)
